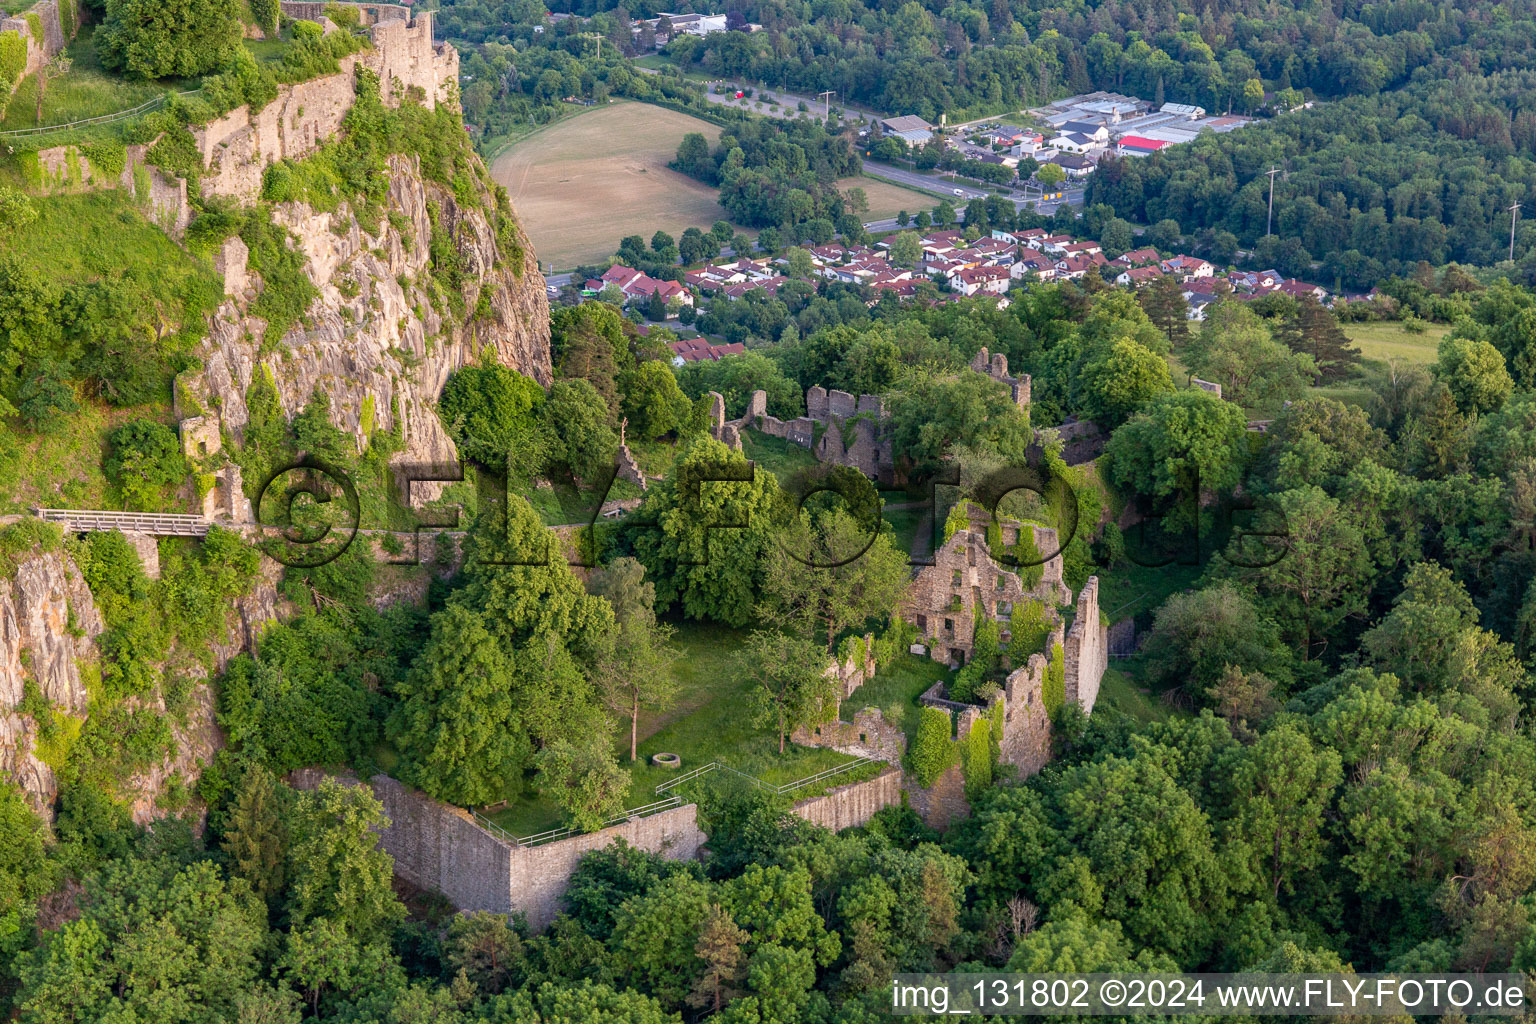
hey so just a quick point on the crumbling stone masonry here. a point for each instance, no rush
(842, 429)
(1086, 648)
(944, 596)
(53, 32)
(996, 367)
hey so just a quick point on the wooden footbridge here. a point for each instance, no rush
(156, 524)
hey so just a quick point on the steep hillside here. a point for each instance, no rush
(331, 244)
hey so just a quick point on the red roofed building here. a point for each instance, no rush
(982, 279)
(1135, 145)
(692, 350)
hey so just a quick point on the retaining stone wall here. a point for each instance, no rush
(440, 847)
(854, 804)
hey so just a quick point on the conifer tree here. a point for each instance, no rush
(257, 839)
(719, 947)
(1163, 302)
(1316, 332)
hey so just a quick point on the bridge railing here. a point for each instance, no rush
(160, 524)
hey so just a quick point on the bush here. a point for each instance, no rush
(1054, 693)
(493, 414)
(142, 458)
(978, 759)
(932, 750)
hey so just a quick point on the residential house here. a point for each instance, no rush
(1034, 237)
(1055, 245)
(1031, 262)
(1081, 249)
(1300, 289)
(1136, 258)
(1187, 268)
(1074, 267)
(992, 280)
(1139, 276)
(692, 350)
(1254, 280)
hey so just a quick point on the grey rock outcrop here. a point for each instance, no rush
(372, 339)
(48, 622)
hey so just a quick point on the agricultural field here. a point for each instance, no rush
(585, 182)
(887, 199)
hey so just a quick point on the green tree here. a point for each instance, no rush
(1050, 175)
(1282, 791)
(336, 870)
(824, 574)
(906, 250)
(1234, 349)
(576, 421)
(1182, 440)
(583, 779)
(1474, 371)
(719, 948)
(655, 937)
(1120, 381)
(934, 412)
(486, 948)
(143, 457)
(791, 689)
(1163, 301)
(460, 736)
(680, 533)
(256, 840)
(1325, 576)
(634, 670)
(169, 38)
(1315, 331)
(493, 414)
(653, 402)
(1197, 636)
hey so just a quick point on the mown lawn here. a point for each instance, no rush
(1387, 339)
(780, 457)
(709, 720)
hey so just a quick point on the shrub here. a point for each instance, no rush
(1054, 693)
(978, 759)
(142, 458)
(932, 749)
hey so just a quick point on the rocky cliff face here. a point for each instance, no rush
(373, 338)
(49, 623)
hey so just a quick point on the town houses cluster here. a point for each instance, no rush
(956, 266)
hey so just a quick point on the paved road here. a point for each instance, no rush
(788, 102)
(946, 189)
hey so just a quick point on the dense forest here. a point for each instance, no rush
(1372, 185)
(1341, 775)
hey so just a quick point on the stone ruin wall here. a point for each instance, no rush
(40, 50)
(237, 148)
(864, 445)
(1086, 648)
(996, 367)
(852, 805)
(963, 568)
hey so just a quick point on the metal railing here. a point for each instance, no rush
(556, 834)
(788, 787)
(120, 115)
(159, 524)
(670, 801)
